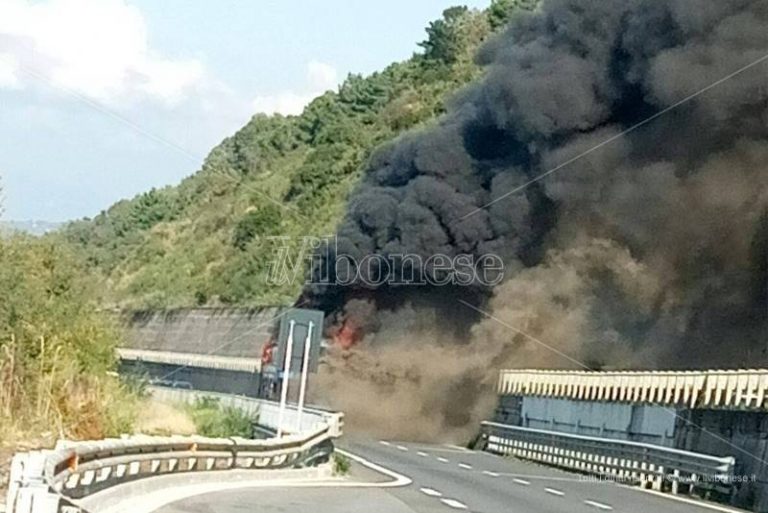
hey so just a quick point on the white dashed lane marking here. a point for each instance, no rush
(599, 505)
(402, 448)
(422, 454)
(491, 474)
(465, 466)
(453, 504)
(554, 492)
(431, 492)
(384, 442)
(442, 460)
(521, 481)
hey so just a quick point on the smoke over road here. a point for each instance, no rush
(650, 250)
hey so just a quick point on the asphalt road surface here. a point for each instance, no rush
(445, 479)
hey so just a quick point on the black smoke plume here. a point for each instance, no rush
(647, 249)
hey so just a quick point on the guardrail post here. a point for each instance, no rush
(658, 480)
(675, 481)
(36, 499)
(14, 480)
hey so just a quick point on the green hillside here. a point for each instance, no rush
(202, 242)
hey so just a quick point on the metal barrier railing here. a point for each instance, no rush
(625, 461)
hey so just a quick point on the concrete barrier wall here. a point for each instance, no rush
(640, 423)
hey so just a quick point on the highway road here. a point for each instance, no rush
(445, 479)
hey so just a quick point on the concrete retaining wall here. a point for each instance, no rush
(238, 332)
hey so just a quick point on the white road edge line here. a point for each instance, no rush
(398, 479)
(554, 492)
(430, 492)
(457, 448)
(465, 466)
(521, 481)
(598, 505)
(442, 460)
(453, 503)
(489, 473)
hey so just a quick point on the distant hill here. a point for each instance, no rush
(30, 227)
(203, 241)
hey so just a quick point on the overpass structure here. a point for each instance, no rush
(214, 349)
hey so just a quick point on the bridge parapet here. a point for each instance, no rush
(235, 363)
(736, 389)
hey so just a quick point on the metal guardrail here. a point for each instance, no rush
(51, 481)
(625, 461)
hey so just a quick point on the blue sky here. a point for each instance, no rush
(103, 99)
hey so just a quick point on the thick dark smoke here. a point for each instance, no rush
(650, 251)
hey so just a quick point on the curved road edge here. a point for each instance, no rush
(163, 491)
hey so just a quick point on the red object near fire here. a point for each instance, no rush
(348, 336)
(267, 352)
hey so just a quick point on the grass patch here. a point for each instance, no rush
(215, 420)
(164, 419)
(341, 464)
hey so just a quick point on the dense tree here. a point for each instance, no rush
(444, 42)
(501, 11)
(262, 221)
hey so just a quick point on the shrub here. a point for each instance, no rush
(57, 352)
(341, 464)
(214, 420)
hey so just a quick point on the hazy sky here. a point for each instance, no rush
(103, 99)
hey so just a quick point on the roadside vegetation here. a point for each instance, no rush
(215, 420)
(341, 464)
(157, 418)
(57, 356)
(209, 240)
